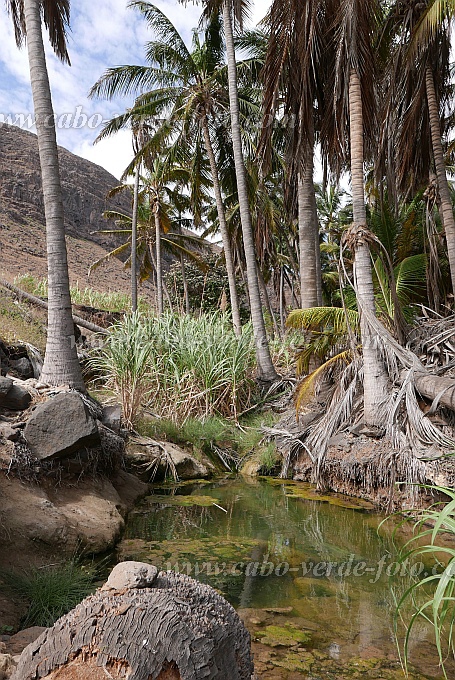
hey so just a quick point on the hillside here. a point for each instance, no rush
(22, 225)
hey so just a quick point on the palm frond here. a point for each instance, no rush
(308, 387)
(323, 318)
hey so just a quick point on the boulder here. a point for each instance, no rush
(112, 417)
(60, 426)
(186, 466)
(131, 575)
(42, 524)
(17, 398)
(5, 385)
(21, 368)
(153, 462)
(18, 642)
(174, 628)
(10, 433)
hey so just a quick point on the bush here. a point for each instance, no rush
(180, 365)
(206, 289)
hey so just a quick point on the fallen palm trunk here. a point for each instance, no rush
(440, 390)
(141, 625)
(41, 303)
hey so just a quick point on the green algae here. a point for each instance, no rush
(226, 554)
(182, 501)
(263, 524)
(288, 635)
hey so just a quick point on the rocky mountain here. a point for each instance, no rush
(22, 224)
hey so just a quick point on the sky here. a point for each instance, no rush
(104, 33)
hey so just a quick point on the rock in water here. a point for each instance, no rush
(173, 629)
(60, 426)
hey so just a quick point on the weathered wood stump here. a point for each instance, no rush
(143, 625)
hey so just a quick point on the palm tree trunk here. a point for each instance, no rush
(282, 303)
(447, 217)
(165, 288)
(375, 379)
(61, 365)
(266, 369)
(186, 295)
(317, 250)
(134, 243)
(159, 268)
(307, 236)
(233, 295)
(268, 304)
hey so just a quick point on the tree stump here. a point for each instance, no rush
(143, 625)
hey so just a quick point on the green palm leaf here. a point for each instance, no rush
(317, 319)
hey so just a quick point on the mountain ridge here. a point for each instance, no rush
(22, 223)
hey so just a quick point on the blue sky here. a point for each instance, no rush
(104, 33)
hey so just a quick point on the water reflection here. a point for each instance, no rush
(283, 558)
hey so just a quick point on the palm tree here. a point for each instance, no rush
(187, 90)
(61, 365)
(292, 84)
(419, 86)
(172, 240)
(235, 10)
(353, 119)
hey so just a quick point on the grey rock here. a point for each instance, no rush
(127, 575)
(5, 385)
(17, 398)
(186, 466)
(112, 417)
(60, 426)
(10, 433)
(22, 368)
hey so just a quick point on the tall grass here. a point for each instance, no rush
(180, 365)
(432, 598)
(112, 301)
(125, 362)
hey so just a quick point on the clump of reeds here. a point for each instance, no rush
(181, 366)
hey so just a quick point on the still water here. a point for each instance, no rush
(311, 576)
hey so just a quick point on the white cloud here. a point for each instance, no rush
(103, 34)
(114, 154)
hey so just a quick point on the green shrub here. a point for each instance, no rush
(207, 288)
(50, 591)
(182, 366)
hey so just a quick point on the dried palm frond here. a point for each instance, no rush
(338, 414)
(309, 385)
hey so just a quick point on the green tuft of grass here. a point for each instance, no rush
(269, 459)
(17, 324)
(50, 591)
(203, 434)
